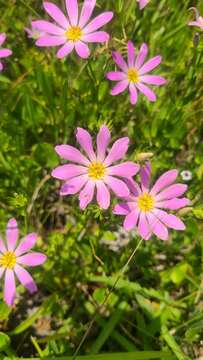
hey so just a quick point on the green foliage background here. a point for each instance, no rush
(157, 305)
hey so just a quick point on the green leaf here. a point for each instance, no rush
(138, 355)
(108, 329)
(4, 341)
(171, 342)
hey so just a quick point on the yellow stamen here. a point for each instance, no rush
(96, 171)
(8, 260)
(133, 75)
(74, 33)
(145, 202)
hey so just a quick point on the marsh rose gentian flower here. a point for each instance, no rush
(199, 19)
(72, 31)
(143, 208)
(13, 257)
(142, 3)
(95, 170)
(133, 73)
(4, 53)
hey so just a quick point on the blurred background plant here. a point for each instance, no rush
(158, 303)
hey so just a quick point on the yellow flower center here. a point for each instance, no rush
(145, 202)
(96, 171)
(133, 75)
(8, 260)
(74, 33)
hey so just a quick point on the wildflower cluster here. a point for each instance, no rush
(97, 170)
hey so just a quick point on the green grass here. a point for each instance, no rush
(157, 304)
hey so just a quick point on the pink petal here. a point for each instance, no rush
(65, 50)
(133, 94)
(47, 27)
(145, 174)
(56, 14)
(32, 259)
(120, 61)
(98, 22)
(121, 209)
(157, 227)
(172, 191)
(26, 244)
(117, 186)
(120, 87)
(131, 54)
(1, 66)
(5, 53)
(2, 246)
(131, 220)
(165, 180)
(146, 91)
(87, 194)
(126, 169)
(103, 139)
(143, 3)
(150, 65)
(103, 195)
(82, 49)
(47, 40)
(74, 185)
(116, 75)
(133, 187)
(9, 287)
(85, 140)
(118, 151)
(70, 153)
(193, 23)
(141, 56)
(173, 204)
(96, 37)
(12, 234)
(143, 227)
(72, 9)
(170, 220)
(153, 80)
(86, 12)
(25, 279)
(2, 38)
(68, 171)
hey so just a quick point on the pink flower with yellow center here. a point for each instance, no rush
(72, 31)
(142, 3)
(198, 21)
(144, 207)
(13, 256)
(4, 53)
(95, 170)
(133, 73)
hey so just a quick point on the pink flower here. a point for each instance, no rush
(95, 171)
(72, 31)
(143, 208)
(199, 19)
(133, 74)
(4, 53)
(142, 3)
(12, 256)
